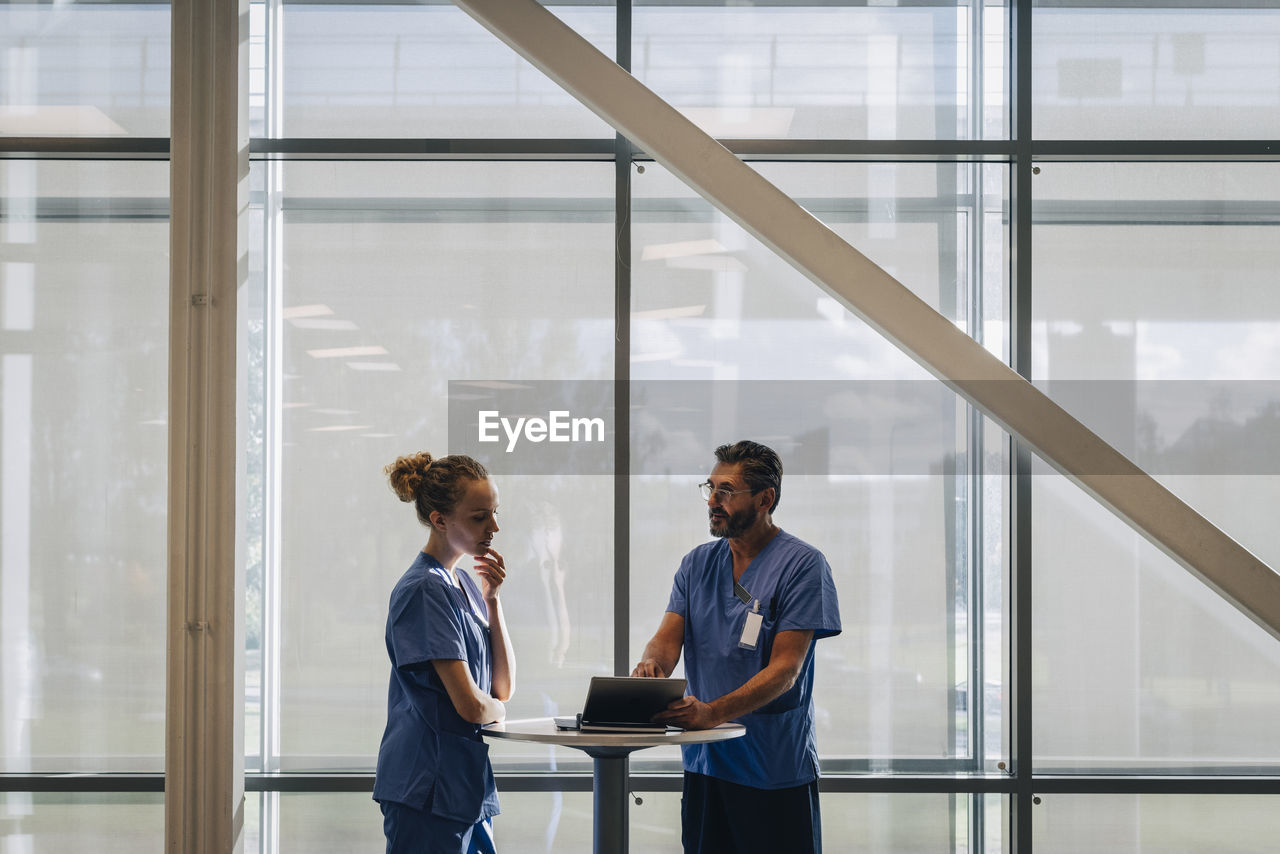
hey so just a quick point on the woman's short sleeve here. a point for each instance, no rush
(427, 625)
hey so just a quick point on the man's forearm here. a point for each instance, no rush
(785, 664)
(765, 687)
(661, 655)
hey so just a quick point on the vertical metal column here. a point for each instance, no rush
(204, 756)
(976, 453)
(1020, 578)
(622, 375)
(273, 420)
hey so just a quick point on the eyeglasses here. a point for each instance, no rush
(722, 495)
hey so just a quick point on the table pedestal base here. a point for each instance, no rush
(609, 752)
(610, 808)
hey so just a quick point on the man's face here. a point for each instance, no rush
(732, 516)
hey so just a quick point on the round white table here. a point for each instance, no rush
(609, 752)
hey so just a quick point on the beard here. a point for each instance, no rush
(733, 524)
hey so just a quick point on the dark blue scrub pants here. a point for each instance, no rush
(411, 831)
(719, 817)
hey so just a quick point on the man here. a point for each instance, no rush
(747, 609)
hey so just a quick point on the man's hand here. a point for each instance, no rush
(689, 713)
(663, 650)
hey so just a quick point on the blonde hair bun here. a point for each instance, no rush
(433, 484)
(407, 473)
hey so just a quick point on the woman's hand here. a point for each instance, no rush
(492, 571)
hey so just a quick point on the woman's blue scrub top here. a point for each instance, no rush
(430, 757)
(793, 584)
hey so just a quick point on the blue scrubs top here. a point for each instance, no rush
(792, 581)
(430, 757)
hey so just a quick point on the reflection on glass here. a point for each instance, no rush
(873, 823)
(1155, 824)
(74, 823)
(1118, 71)
(84, 69)
(530, 823)
(84, 338)
(424, 71)
(1139, 665)
(552, 822)
(546, 538)
(825, 70)
(398, 280)
(874, 469)
(1155, 323)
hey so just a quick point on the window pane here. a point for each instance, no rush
(1102, 72)
(84, 325)
(1155, 824)
(821, 71)
(1156, 324)
(873, 823)
(84, 69)
(537, 822)
(852, 823)
(530, 823)
(869, 440)
(424, 71)
(72, 823)
(399, 279)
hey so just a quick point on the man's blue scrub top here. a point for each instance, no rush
(430, 756)
(793, 584)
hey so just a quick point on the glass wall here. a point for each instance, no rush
(113, 823)
(84, 320)
(730, 342)
(1160, 824)
(1155, 70)
(1155, 320)
(436, 225)
(422, 70)
(84, 342)
(399, 280)
(84, 69)
(822, 70)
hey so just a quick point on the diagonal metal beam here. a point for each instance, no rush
(884, 303)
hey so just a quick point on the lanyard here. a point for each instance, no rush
(747, 599)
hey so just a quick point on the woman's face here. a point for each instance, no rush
(471, 525)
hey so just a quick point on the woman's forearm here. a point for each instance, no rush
(504, 657)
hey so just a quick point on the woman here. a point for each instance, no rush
(452, 667)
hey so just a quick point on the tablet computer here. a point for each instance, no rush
(628, 703)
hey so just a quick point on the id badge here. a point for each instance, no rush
(751, 628)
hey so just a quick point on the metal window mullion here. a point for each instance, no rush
(273, 385)
(953, 303)
(976, 67)
(273, 503)
(1020, 572)
(974, 518)
(974, 509)
(273, 458)
(273, 441)
(622, 373)
(976, 451)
